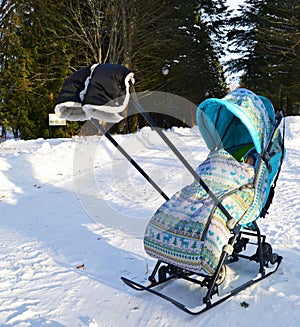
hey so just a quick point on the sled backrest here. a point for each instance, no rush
(236, 123)
(241, 121)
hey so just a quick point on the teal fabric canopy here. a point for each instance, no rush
(240, 118)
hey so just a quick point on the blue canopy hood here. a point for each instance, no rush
(240, 118)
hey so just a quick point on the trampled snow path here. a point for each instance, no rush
(65, 245)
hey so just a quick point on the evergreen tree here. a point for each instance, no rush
(215, 16)
(266, 35)
(195, 71)
(281, 35)
(179, 40)
(15, 67)
(44, 42)
(30, 68)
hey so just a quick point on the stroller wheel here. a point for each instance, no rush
(274, 258)
(266, 253)
(222, 275)
(162, 273)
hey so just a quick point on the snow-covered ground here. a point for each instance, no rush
(72, 220)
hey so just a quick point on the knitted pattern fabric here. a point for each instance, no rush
(188, 230)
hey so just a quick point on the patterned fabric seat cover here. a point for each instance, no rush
(188, 230)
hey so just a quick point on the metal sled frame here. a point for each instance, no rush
(164, 272)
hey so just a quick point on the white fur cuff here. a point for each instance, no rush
(71, 111)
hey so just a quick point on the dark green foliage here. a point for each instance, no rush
(31, 68)
(43, 42)
(195, 71)
(267, 35)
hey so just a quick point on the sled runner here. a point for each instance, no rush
(210, 224)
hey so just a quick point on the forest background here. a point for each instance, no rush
(188, 48)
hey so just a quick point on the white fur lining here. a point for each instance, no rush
(71, 110)
(87, 82)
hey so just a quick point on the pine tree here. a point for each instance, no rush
(44, 42)
(281, 35)
(15, 67)
(197, 71)
(266, 35)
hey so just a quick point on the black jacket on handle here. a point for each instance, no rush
(100, 91)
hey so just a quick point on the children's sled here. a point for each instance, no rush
(207, 226)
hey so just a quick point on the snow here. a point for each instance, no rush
(235, 4)
(73, 214)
